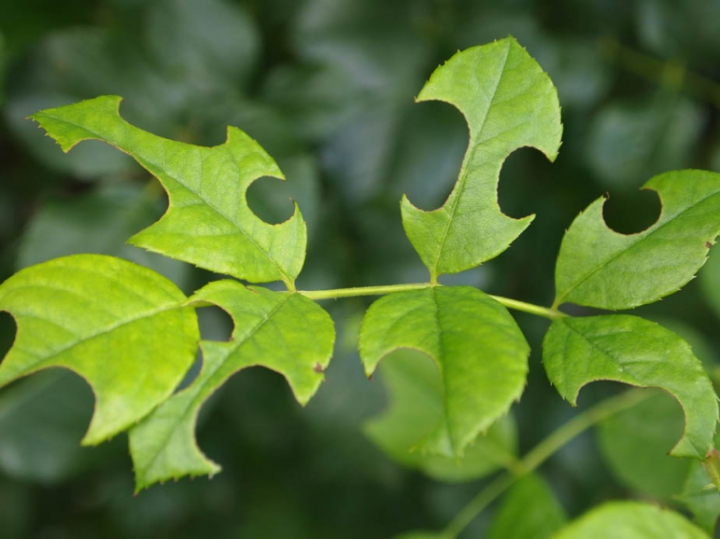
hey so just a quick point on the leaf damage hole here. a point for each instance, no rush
(426, 163)
(271, 199)
(632, 212)
(526, 178)
(8, 329)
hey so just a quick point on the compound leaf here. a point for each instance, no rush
(478, 348)
(416, 407)
(285, 332)
(208, 222)
(118, 325)
(530, 509)
(629, 349)
(508, 102)
(598, 267)
(631, 520)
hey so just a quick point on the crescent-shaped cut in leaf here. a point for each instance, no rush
(285, 332)
(508, 102)
(598, 267)
(208, 222)
(478, 348)
(631, 520)
(118, 325)
(629, 349)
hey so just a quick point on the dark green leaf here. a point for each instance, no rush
(636, 443)
(416, 406)
(529, 509)
(701, 497)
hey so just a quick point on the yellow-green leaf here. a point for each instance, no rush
(285, 332)
(629, 349)
(208, 222)
(118, 325)
(508, 102)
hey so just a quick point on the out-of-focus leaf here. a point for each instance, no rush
(118, 325)
(630, 142)
(529, 509)
(203, 42)
(710, 280)
(631, 520)
(700, 496)
(477, 346)
(632, 350)
(599, 267)
(41, 421)
(636, 443)
(679, 30)
(284, 332)
(415, 397)
(508, 102)
(208, 222)
(99, 222)
(421, 535)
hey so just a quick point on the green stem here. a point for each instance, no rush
(389, 289)
(540, 453)
(362, 291)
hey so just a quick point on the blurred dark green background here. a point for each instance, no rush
(327, 87)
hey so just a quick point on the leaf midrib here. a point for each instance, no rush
(192, 402)
(462, 178)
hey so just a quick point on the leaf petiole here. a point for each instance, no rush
(531, 308)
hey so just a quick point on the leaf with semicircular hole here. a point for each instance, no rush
(478, 348)
(208, 222)
(416, 407)
(598, 267)
(285, 332)
(629, 349)
(631, 520)
(508, 102)
(118, 325)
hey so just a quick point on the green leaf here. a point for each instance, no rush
(416, 407)
(701, 497)
(208, 222)
(508, 102)
(598, 267)
(710, 281)
(529, 509)
(636, 443)
(477, 346)
(118, 325)
(284, 332)
(631, 520)
(629, 349)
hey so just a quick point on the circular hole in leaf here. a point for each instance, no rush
(8, 328)
(632, 212)
(270, 199)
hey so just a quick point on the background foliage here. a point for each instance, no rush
(326, 86)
